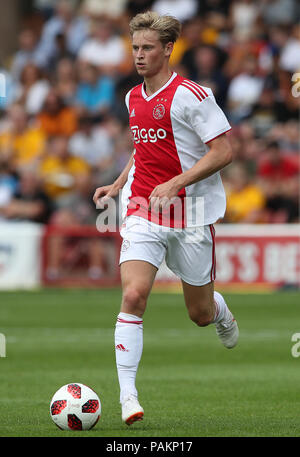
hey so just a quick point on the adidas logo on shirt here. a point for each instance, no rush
(132, 114)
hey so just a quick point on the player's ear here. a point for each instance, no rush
(169, 48)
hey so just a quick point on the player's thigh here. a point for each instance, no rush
(199, 301)
(137, 277)
(191, 255)
(142, 252)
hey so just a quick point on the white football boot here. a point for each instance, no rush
(228, 331)
(131, 410)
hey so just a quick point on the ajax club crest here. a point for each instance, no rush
(159, 111)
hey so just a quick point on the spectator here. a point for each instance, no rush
(8, 184)
(279, 12)
(207, 72)
(282, 203)
(266, 112)
(93, 144)
(214, 6)
(243, 16)
(59, 169)
(7, 89)
(189, 39)
(76, 209)
(286, 104)
(244, 90)
(247, 147)
(104, 48)
(181, 9)
(95, 93)
(64, 22)
(55, 118)
(290, 53)
(33, 89)
(245, 200)
(276, 166)
(291, 138)
(70, 87)
(124, 147)
(215, 27)
(25, 54)
(29, 202)
(65, 81)
(279, 177)
(21, 143)
(138, 6)
(62, 52)
(284, 42)
(114, 8)
(196, 44)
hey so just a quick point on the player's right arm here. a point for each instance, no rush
(102, 194)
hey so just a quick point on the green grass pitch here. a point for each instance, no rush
(189, 384)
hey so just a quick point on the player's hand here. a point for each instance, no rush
(103, 194)
(163, 196)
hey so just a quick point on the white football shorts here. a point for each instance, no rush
(188, 252)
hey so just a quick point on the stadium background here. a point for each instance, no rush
(65, 68)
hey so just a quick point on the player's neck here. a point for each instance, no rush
(154, 83)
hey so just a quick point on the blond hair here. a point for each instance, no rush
(168, 27)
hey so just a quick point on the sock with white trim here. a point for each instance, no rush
(128, 348)
(221, 308)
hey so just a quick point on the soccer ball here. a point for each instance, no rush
(75, 407)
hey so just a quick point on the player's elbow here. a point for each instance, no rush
(227, 155)
(222, 151)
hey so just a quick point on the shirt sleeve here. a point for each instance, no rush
(127, 99)
(203, 113)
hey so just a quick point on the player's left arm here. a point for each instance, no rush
(218, 156)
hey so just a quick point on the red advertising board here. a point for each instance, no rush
(265, 255)
(248, 256)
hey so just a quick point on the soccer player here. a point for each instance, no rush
(179, 135)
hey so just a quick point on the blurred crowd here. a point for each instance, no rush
(64, 125)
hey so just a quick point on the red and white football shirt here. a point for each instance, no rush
(171, 129)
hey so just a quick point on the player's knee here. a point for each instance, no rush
(134, 301)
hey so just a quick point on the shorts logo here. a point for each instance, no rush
(125, 245)
(159, 111)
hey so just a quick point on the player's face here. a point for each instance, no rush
(150, 56)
